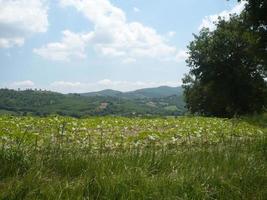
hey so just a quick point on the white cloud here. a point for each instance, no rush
(72, 46)
(135, 9)
(171, 34)
(20, 19)
(211, 20)
(105, 82)
(181, 56)
(65, 84)
(77, 87)
(112, 35)
(21, 84)
(10, 42)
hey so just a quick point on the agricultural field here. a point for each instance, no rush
(132, 158)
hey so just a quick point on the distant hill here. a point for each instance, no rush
(102, 93)
(163, 101)
(158, 92)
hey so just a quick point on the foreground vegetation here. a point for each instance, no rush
(123, 158)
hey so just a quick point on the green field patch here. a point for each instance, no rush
(132, 158)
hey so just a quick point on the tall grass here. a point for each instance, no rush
(122, 158)
(233, 169)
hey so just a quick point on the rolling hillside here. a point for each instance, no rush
(158, 92)
(103, 93)
(162, 101)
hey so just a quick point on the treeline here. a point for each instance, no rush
(228, 66)
(43, 103)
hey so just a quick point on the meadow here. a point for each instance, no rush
(133, 158)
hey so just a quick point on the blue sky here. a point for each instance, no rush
(89, 45)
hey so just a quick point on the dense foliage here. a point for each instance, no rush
(255, 16)
(43, 103)
(121, 158)
(227, 70)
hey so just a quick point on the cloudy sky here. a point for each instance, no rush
(89, 45)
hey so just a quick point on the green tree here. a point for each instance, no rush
(226, 76)
(255, 15)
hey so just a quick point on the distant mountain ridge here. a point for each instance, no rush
(157, 92)
(102, 93)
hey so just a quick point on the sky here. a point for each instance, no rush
(90, 45)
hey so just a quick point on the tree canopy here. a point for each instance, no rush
(255, 16)
(227, 68)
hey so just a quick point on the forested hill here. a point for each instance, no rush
(164, 101)
(158, 92)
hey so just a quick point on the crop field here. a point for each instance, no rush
(132, 158)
